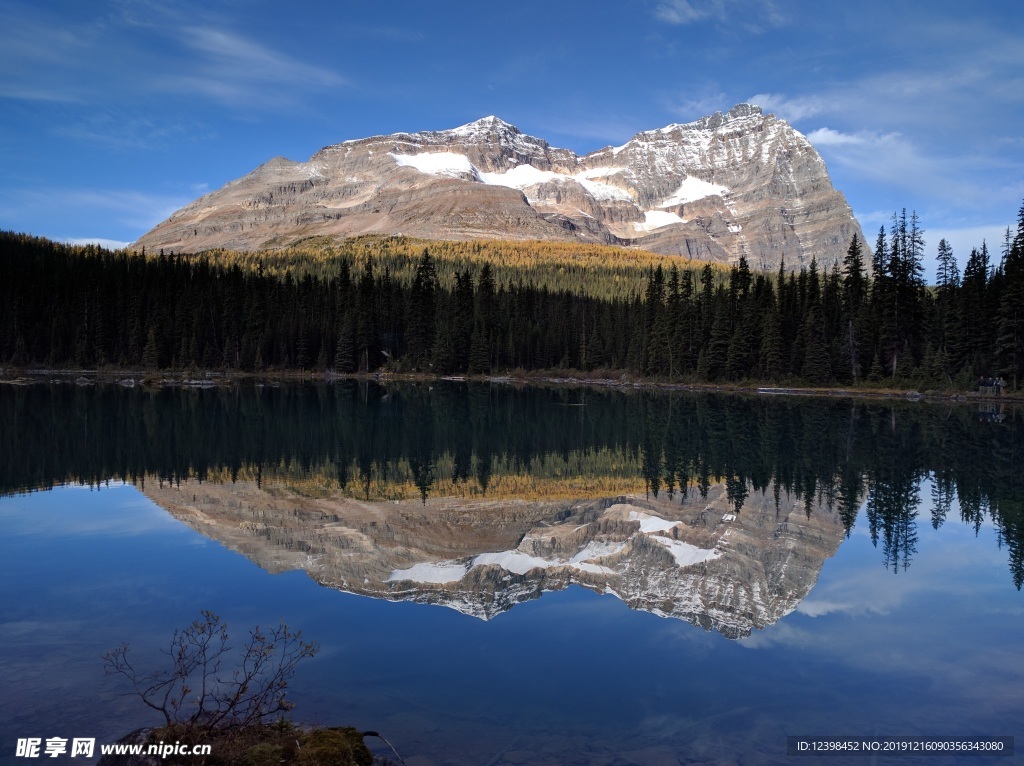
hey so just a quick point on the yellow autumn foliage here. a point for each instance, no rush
(601, 271)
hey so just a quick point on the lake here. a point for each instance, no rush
(506, 575)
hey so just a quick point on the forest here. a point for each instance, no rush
(490, 308)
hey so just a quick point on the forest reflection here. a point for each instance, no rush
(442, 439)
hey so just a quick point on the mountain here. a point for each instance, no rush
(703, 560)
(726, 185)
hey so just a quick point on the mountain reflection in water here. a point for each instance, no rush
(700, 559)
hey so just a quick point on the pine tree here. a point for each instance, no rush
(771, 356)
(654, 342)
(345, 350)
(366, 321)
(1009, 350)
(715, 355)
(151, 353)
(422, 312)
(479, 350)
(975, 309)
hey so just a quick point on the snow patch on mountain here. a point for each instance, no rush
(516, 562)
(686, 554)
(483, 125)
(692, 189)
(657, 219)
(524, 176)
(439, 573)
(453, 165)
(602, 191)
(447, 164)
(649, 524)
(521, 177)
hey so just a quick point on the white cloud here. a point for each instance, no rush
(899, 163)
(122, 58)
(829, 137)
(965, 239)
(874, 218)
(132, 208)
(755, 18)
(232, 67)
(607, 130)
(682, 12)
(693, 107)
(129, 209)
(109, 244)
(791, 108)
(783, 633)
(121, 129)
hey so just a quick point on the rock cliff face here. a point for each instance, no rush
(699, 560)
(739, 183)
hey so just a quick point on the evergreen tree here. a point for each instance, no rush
(1009, 350)
(815, 368)
(975, 310)
(151, 352)
(715, 357)
(771, 356)
(484, 321)
(367, 343)
(654, 340)
(947, 275)
(422, 312)
(345, 351)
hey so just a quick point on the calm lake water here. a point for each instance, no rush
(518, 576)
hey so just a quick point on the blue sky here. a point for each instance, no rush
(114, 113)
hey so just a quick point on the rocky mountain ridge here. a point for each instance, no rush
(727, 185)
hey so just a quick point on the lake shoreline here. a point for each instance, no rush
(213, 379)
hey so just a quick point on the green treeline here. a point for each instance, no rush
(871, 322)
(427, 439)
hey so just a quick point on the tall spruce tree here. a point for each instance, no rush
(421, 318)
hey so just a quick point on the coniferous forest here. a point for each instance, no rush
(872, 320)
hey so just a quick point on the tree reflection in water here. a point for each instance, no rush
(434, 439)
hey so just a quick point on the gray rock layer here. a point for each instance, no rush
(727, 185)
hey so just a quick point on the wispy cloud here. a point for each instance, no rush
(899, 163)
(146, 50)
(829, 137)
(232, 68)
(394, 34)
(109, 244)
(134, 210)
(42, 59)
(121, 129)
(949, 95)
(965, 239)
(751, 17)
(693, 106)
(594, 131)
(793, 108)
(687, 12)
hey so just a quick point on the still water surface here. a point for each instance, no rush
(629, 578)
